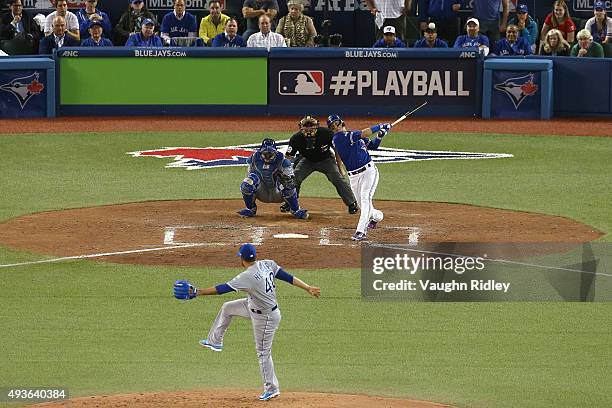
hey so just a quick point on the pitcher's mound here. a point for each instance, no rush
(237, 399)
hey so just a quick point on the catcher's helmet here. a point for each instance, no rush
(331, 119)
(268, 142)
(268, 150)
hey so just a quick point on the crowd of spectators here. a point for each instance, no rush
(492, 28)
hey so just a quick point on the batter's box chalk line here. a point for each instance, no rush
(257, 234)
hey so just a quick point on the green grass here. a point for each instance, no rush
(568, 176)
(106, 328)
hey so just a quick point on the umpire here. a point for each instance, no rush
(313, 144)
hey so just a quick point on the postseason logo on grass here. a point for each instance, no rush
(193, 158)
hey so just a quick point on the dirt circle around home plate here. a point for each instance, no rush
(208, 232)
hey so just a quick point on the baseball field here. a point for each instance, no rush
(92, 237)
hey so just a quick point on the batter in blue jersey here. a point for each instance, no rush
(351, 148)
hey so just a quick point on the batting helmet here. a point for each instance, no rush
(331, 119)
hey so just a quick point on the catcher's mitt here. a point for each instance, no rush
(184, 290)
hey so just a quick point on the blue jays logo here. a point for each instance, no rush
(193, 158)
(518, 88)
(24, 88)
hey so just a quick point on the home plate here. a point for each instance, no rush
(291, 235)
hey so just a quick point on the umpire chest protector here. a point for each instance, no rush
(315, 148)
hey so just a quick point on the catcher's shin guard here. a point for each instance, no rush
(290, 196)
(248, 187)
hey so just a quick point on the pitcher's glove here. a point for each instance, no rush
(184, 290)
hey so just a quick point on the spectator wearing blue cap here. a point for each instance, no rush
(431, 40)
(512, 44)
(95, 38)
(389, 39)
(92, 13)
(528, 28)
(131, 21)
(444, 14)
(230, 37)
(178, 23)
(146, 37)
(600, 25)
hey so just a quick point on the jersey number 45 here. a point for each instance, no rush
(270, 283)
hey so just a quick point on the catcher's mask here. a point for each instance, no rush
(334, 120)
(268, 150)
(309, 125)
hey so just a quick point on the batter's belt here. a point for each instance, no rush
(360, 170)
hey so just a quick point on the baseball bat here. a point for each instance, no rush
(405, 115)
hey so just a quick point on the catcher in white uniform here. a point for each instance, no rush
(351, 148)
(261, 307)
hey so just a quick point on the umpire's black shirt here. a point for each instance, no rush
(317, 151)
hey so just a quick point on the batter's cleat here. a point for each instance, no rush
(372, 224)
(266, 396)
(248, 212)
(285, 208)
(301, 214)
(358, 236)
(353, 208)
(213, 347)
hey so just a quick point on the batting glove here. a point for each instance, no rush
(385, 126)
(183, 290)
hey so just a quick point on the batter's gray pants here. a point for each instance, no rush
(264, 327)
(305, 167)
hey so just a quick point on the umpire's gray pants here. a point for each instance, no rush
(305, 167)
(264, 327)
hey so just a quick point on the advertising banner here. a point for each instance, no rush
(377, 81)
(119, 77)
(23, 93)
(516, 94)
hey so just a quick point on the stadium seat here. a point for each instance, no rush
(607, 50)
(18, 46)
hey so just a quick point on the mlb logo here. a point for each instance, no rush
(300, 82)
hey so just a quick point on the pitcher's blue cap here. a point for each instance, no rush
(247, 252)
